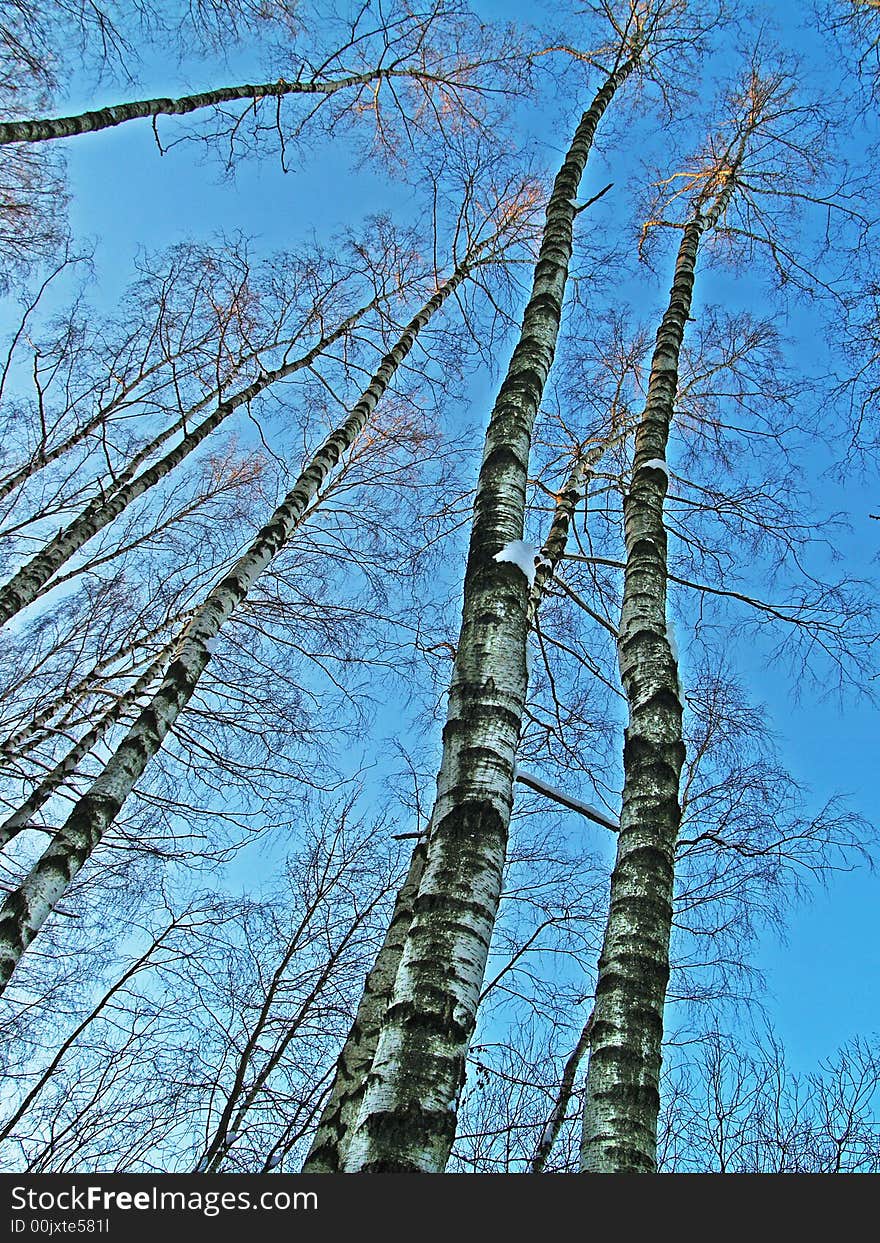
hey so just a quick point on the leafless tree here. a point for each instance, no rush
(734, 1106)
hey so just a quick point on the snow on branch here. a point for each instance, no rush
(523, 555)
(573, 804)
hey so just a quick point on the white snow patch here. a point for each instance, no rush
(673, 647)
(567, 800)
(520, 554)
(231, 1136)
(657, 463)
(211, 644)
(273, 1162)
(202, 1166)
(671, 640)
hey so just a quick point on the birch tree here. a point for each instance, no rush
(28, 583)
(434, 50)
(622, 1090)
(207, 336)
(407, 1117)
(218, 1027)
(25, 911)
(404, 72)
(653, 759)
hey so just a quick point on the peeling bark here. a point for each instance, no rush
(26, 908)
(407, 1118)
(27, 584)
(622, 1101)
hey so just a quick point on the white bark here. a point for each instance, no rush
(329, 1149)
(45, 129)
(19, 819)
(29, 582)
(622, 1100)
(26, 909)
(407, 1117)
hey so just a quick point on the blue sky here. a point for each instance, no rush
(822, 984)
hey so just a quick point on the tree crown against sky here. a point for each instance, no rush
(243, 233)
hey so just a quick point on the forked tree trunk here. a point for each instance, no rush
(26, 908)
(622, 1100)
(406, 1121)
(329, 1147)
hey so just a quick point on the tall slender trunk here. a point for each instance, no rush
(25, 909)
(407, 1117)
(571, 493)
(42, 456)
(28, 583)
(37, 728)
(329, 1148)
(560, 1105)
(19, 819)
(45, 129)
(622, 1101)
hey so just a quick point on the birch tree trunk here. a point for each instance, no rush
(25, 909)
(406, 1122)
(43, 457)
(566, 503)
(330, 1145)
(44, 129)
(622, 1101)
(19, 819)
(36, 730)
(329, 1148)
(566, 1087)
(28, 583)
